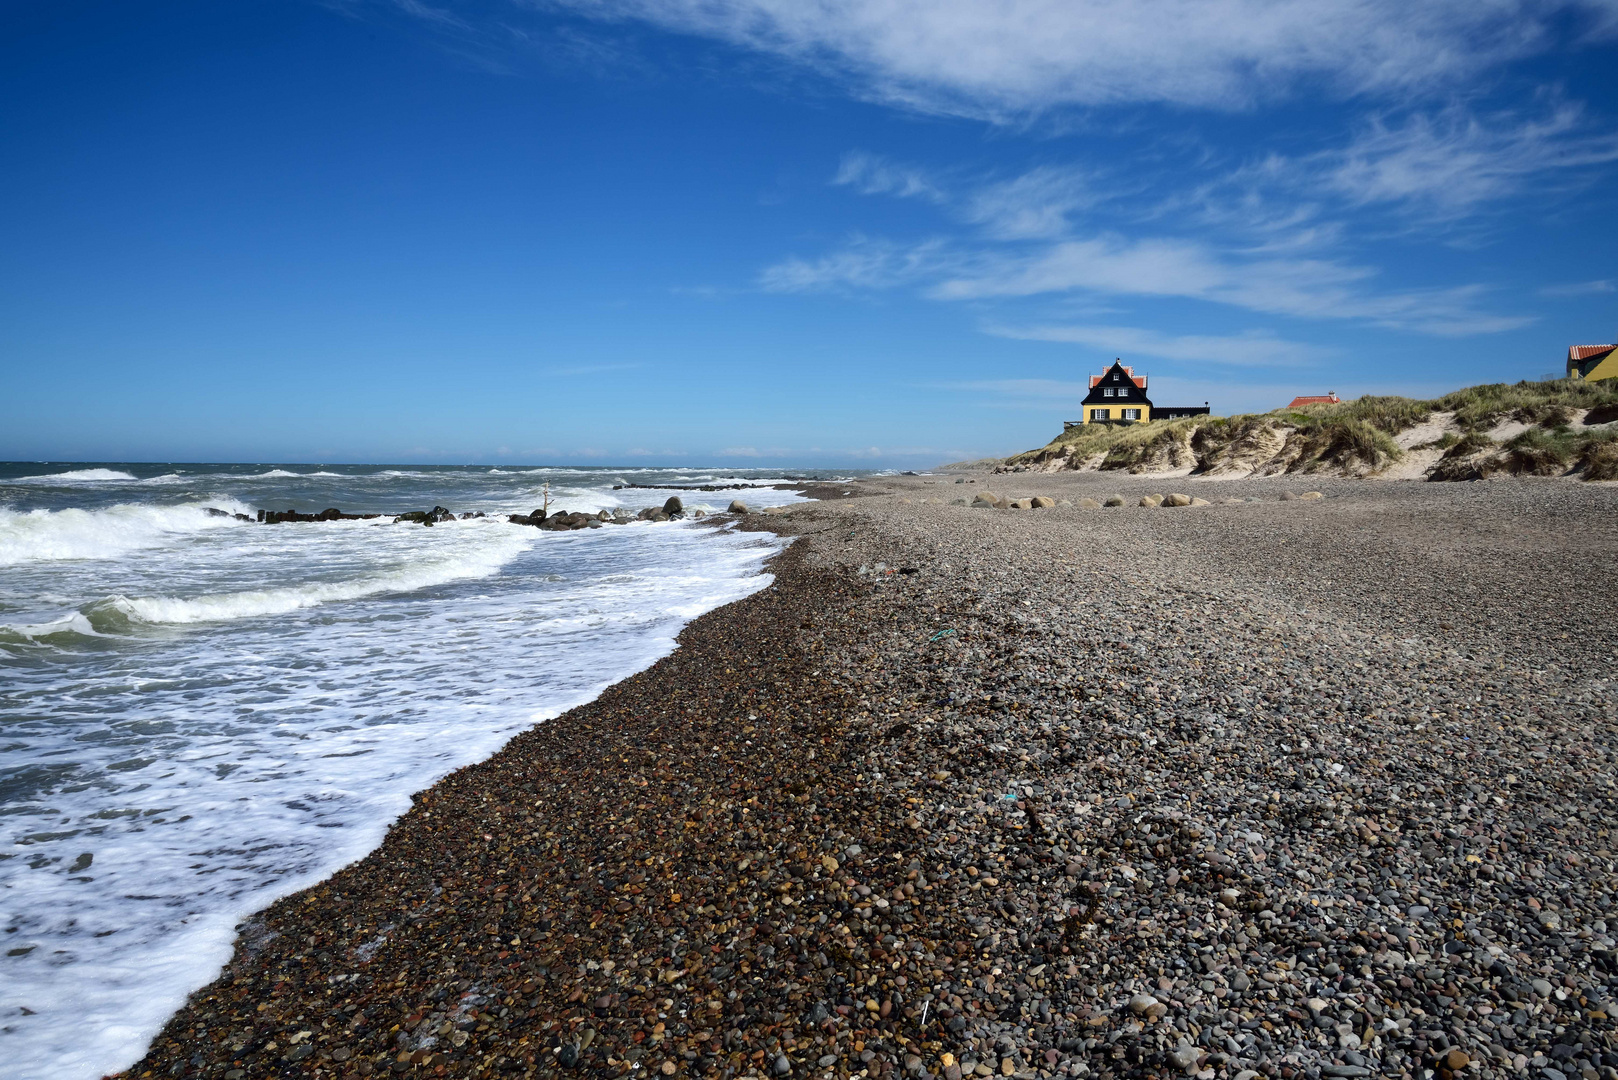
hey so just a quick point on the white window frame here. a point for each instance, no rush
(1107, 392)
(1131, 414)
(1100, 414)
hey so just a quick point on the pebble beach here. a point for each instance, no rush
(1269, 786)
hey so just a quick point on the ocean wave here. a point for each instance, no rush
(116, 614)
(52, 535)
(75, 624)
(73, 476)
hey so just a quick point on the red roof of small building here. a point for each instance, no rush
(1319, 399)
(1138, 380)
(1584, 352)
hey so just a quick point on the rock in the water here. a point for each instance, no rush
(738, 507)
(673, 506)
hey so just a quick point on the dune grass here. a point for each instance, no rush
(1360, 434)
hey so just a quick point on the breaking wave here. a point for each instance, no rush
(54, 535)
(73, 476)
(115, 613)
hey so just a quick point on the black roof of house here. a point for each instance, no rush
(1137, 394)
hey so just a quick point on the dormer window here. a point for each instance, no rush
(1107, 391)
(1116, 376)
(1123, 391)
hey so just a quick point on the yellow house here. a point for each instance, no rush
(1117, 394)
(1592, 362)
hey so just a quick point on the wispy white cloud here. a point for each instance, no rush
(1013, 57)
(1039, 204)
(1454, 160)
(1149, 267)
(1580, 288)
(870, 174)
(1253, 349)
(862, 263)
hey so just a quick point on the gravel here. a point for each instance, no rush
(1314, 787)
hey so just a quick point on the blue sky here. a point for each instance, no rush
(884, 233)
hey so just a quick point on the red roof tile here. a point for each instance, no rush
(1584, 352)
(1323, 399)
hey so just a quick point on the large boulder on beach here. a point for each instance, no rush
(738, 507)
(986, 499)
(673, 506)
(1088, 503)
(1113, 500)
(1040, 502)
(1151, 500)
(1021, 504)
(1176, 499)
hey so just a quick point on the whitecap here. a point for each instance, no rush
(482, 562)
(51, 535)
(73, 476)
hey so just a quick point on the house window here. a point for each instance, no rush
(1107, 391)
(1131, 414)
(1100, 414)
(1116, 376)
(1123, 391)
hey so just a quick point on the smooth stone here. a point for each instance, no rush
(1140, 1003)
(1175, 498)
(1542, 987)
(1088, 503)
(738, 507)
(782, 1065)
(1113, 500)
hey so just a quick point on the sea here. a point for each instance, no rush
(200, 714)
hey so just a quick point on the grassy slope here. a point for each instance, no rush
(1358, 435)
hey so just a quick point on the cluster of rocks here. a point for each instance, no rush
(430, 517)
(277, 517)
(1001, 502)
(563, 520)
(1246, 804)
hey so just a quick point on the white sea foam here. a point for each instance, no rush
(73, 476)
(480, 562)
(53, 535)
